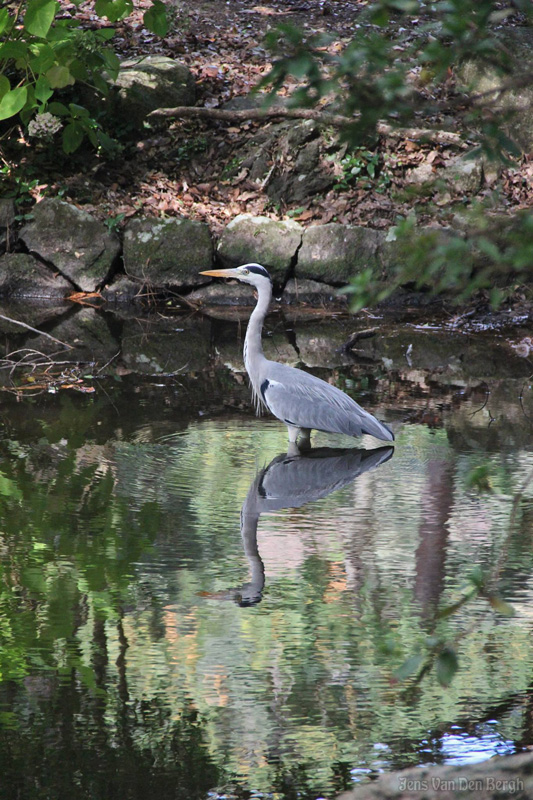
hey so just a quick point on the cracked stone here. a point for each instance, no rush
(75, 243)
(265, 241)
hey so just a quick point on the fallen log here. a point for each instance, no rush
(446, 138)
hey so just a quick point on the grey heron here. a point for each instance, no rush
(300, 400)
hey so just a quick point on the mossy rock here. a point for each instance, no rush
(272, 243)
(76, 244)
(335, 253)
(24, 277)
(145, 84)
(167, 253)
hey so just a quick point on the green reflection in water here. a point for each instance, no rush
(127, 666)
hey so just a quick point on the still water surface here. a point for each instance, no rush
(192, 612)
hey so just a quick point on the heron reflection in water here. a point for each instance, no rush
(291, 482)
(300, 400)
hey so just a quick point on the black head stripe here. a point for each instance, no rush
(259, 271)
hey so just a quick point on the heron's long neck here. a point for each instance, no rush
(249, 521)
(253, 350)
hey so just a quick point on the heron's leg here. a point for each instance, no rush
(304, 442)
(293, 449)
(294, 432)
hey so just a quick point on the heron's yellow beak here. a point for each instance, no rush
(220, 273)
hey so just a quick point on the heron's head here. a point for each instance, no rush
(254, 274)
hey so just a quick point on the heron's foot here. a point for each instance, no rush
(304, 439)
(293, 450)
(299, 440)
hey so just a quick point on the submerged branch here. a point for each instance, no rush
(35, 330)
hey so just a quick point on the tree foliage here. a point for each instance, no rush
(403, 65)
(44, 51)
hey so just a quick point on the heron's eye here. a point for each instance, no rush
(245, 271)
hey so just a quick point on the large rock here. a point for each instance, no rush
(335, 253)
(123, 290)
(7, 223)
(301, 169)
(76, 244)
(266, 241)
(494, 779)
(289, 160)
(312, 293)
(460, 175)
(144, 84)
(24, 277)
(514, 108)
(169, 252)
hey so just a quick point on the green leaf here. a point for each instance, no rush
(8, 488)
(13, 102)
(105, 33)
(78, 111)
(155, 18)
(58, 109)
(4, 19)
(105, 141)
(93, 138)
(446, 665)
(113, 9)
(59, 77)
(479, 478)
(101, 84)
(43, 90)
(43, 57)
(112, 62)
(477, 577)
(13, 50)
(29, 107)
(409, 667)
(489, 249)
(39, 17)
(72, 137)
(5, 86)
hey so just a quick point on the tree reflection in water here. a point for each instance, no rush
(122, 674)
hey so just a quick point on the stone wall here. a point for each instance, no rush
(64, 250)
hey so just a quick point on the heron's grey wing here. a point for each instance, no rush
(305, 401)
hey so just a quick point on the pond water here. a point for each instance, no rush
(186, 610)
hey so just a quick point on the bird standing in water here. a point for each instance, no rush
(300, 400)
